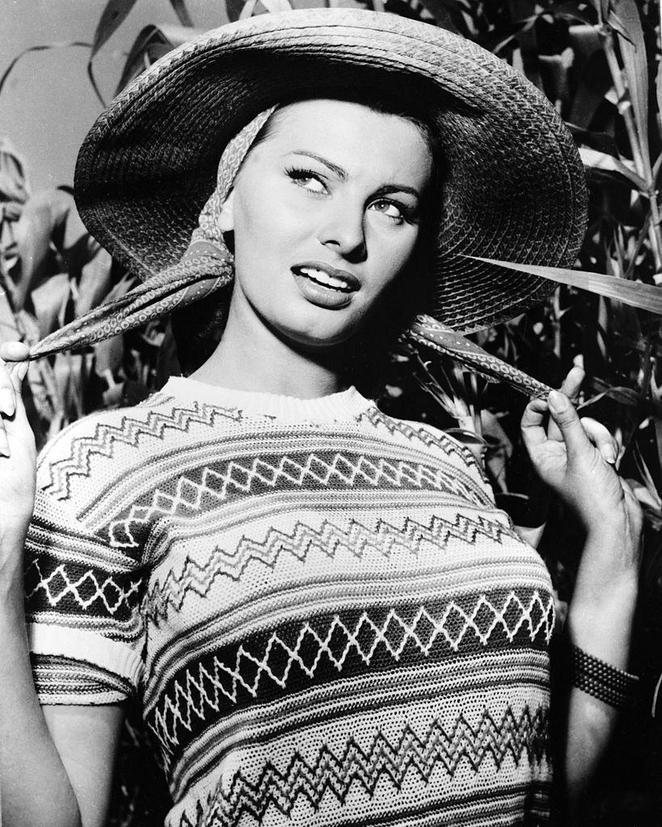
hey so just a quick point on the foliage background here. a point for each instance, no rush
(599, 63)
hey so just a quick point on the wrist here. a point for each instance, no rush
(593, 676)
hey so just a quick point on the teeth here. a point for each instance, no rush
(323, 278)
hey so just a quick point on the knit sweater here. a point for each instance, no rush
(327, 620)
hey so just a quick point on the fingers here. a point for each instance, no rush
(570, 387)
(573, 382)
(18, 371)
(601, 438)
(565, 418)
(532, 423)
(7, 392)
(11, 377)
(14, 351)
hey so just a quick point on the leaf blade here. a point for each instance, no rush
(633, 52)
(635, 294)
(111, 18)
(182, 12)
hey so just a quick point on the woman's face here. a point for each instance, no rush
(326, 214)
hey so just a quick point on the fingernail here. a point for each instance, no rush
(609, 455)
(7, 402)
(557, 401)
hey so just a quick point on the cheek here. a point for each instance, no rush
(264, 226)
(394, 252)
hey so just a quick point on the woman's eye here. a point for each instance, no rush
(388, 208)
(307, 179)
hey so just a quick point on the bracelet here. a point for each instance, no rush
(597, 678)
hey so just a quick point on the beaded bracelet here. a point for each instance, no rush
(597, 678)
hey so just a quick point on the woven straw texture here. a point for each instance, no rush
(514, 188)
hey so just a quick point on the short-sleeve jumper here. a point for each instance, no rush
(325, 617)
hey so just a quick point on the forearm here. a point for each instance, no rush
(600, 623)
(35, 787)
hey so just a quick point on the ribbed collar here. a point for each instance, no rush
(336, 407)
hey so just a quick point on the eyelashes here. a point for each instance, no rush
(301, 176)
(392, 209)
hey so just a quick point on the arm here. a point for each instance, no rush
(55, 763)
(575, 458)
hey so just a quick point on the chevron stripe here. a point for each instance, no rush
(523, 737)
(88, 588)
(299, 470)
(333, 646)
(419, 434)
(128, 432)
(330, 539)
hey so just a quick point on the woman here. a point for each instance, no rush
(325, 617)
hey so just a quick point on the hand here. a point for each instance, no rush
(576, 458)
(17, 456)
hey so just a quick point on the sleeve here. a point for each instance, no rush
(82, 608)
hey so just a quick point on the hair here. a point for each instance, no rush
(198, 327)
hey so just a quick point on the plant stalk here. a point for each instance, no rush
(642, 166)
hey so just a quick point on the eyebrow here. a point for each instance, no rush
(342, 174)
(339, 171)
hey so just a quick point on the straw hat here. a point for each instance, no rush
(514, 187)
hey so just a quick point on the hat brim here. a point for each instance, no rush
(514, 187)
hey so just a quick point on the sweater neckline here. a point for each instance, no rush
(344, 405)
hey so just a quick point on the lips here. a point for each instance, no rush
(326, 276)
(325, 286)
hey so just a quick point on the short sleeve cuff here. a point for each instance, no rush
(72, 666)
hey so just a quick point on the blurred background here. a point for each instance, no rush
(598, 62)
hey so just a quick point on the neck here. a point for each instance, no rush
(251, 357)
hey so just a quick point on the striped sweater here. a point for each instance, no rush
(326, 619)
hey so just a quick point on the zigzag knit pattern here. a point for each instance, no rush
(327, 619)
(336, 775)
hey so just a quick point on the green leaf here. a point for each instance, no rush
(49, 301)
(151, 44)
(9, 331)
(148, 38)
(13, 178)
(111, 18)
(233, 9)
(182, 12)
(62, 44)
(599, 160)
(658, 94)
(274, 6)
(634, 293)
(40, 231)
(620, 394)
(633, 52)
(95, 281)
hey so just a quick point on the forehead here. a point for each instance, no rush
(352, 135)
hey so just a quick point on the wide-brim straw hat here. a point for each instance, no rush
(514, 187)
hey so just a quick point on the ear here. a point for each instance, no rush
(226, 218)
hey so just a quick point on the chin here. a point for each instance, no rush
(322, 330)
(316, 343)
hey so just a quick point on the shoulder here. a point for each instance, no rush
(422, 436)
(102, 446)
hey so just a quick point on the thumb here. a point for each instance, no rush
(565, 416)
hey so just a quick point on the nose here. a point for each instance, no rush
(343, 231)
